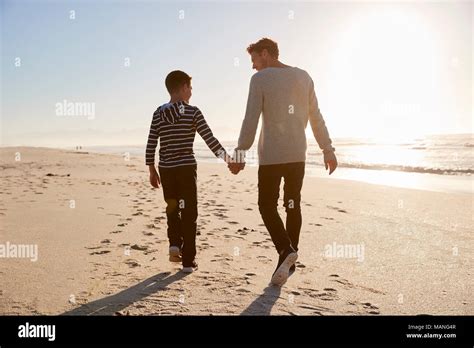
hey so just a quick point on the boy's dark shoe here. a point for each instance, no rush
(175, 254)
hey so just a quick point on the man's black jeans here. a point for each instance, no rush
(269, 178)
(180, 192)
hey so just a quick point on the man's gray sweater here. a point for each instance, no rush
(286, 99)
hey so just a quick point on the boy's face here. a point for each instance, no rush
(186, 92)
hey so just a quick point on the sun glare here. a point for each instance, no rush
(382, 75)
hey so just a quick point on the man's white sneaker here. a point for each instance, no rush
(283, 271)
(191, 268)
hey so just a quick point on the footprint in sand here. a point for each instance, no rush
(100, 252)
(300, 265)
(151, 226)
(242, 290)
(221, 215)
(139, 247)
(264, 259)
(367, 306)
(132, 263)
(337, 208)
(327, 295)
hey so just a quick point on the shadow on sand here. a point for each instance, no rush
(114, 303)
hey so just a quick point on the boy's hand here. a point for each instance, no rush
(155, 180)
(154, 177)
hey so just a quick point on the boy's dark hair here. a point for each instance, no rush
(265, 43)
(176, 79)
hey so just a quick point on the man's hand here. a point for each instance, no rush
(154, 177)
(330, 161)
(235, 167)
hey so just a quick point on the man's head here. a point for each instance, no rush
(263, 53)
(178, 84)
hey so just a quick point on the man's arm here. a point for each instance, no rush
(206, 134)
(252, 115)
(320, 131)
(317, 122)
(151, 149)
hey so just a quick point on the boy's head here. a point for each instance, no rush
(178, 84)
(263, 52)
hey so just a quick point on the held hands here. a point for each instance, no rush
(235, 167)
(236, 163)
(330, 161)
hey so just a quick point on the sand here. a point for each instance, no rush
(100, 230)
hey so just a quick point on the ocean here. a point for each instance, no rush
(436, 162)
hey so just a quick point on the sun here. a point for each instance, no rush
(382, 74)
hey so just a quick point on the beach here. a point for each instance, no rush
(100, 233)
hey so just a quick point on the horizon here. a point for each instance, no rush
(375, 140)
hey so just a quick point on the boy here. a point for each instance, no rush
(176, 123)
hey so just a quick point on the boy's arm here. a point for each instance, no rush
(152, 142)
(252, 115)
(151, 149)
(206, 134)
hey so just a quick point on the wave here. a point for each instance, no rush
(410, 169)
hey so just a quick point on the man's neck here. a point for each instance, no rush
(277, 64)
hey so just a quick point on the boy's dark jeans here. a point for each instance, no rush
(180, 192)
(269, 178)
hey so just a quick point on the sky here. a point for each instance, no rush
(381, 69)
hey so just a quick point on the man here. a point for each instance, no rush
(286, 98)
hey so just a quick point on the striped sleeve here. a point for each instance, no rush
(152, 140)
(206, 134)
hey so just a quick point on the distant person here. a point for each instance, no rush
(175, 124)
(285, 97)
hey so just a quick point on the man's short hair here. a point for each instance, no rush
(265, 43)
(177, 79)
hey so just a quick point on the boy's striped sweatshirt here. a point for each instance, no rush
(175, 125)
